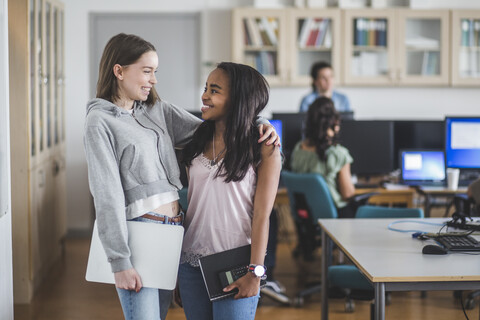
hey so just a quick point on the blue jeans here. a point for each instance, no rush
(148, 303)
(197, 305)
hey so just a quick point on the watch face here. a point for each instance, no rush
(259, 271)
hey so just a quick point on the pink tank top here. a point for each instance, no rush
(219, 215)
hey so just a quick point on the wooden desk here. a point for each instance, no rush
(431, 193)
(393, 261)
(390, 198)
(384, 197)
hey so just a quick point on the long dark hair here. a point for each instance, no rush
(122, 49)
(320, 117)
(249, 93)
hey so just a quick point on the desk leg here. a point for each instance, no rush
(379, 301)
(325, 259)
(427, 206)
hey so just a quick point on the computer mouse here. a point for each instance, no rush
(434, 249)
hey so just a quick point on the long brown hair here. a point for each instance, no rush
(123, 49)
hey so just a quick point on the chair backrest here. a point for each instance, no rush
(387, 212)
(315, 191)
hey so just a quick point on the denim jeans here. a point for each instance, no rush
(148, 303)
(197, 305)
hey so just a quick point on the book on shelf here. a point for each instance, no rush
(370, 32)
(470, 33)
(305, 28)
(312, 37)
(265, 63)
(327, 34)
(254, 32)
(246, 33)
(314, 32)
(269, 28)
(263, 33)
(430, 63)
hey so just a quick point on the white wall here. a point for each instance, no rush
(6, 277)
(377, 103)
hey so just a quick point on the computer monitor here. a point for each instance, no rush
(292, 128)
(422, 167)
(278, 125)
(418, 134)
(371, 145)
(462, 142)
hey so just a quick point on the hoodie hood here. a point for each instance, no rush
(107, 106)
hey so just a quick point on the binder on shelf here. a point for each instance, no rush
(254, 32)
(263, 33)
(269, 30)
(312, 38)
(470, 33)
(246, 33)
(465, 37)
(327, 41)
(305, 32)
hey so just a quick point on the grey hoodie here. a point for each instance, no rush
(131, 157)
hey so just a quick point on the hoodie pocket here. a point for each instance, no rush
(127, 162)
(145, 166)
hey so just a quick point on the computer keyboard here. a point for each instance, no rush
(458, 243)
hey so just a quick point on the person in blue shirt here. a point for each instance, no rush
(322, 85)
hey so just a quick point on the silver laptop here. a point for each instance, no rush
(155, 252)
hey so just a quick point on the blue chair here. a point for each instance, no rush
(348, 277)
(310, 200)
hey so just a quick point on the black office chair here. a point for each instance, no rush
(465, 208)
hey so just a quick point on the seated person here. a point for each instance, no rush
(474, 191)
(322, 85)
(320, 153)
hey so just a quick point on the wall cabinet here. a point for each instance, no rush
(465, 48)
(377, 47)
(396, 47)
(283, 43)
(37, 134)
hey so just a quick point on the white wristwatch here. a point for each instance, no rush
(258, 270)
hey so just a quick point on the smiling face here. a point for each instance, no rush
(136, 80)
(216, 96)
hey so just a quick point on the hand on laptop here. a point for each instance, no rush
(128, 279)
(248, 286)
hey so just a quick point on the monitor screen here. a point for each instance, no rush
(422, 165)
(278, 125)
(462, 142)
(418, 134)
(292, 128)
(371, 145)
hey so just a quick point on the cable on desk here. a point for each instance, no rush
(412, 221)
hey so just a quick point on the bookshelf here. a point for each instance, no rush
(282, 44)
(369, 47)
(37, 131)
(314, 36)
(366, 47)
(258, 40)
(396, 47)
(423, 44)
(466, 48)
